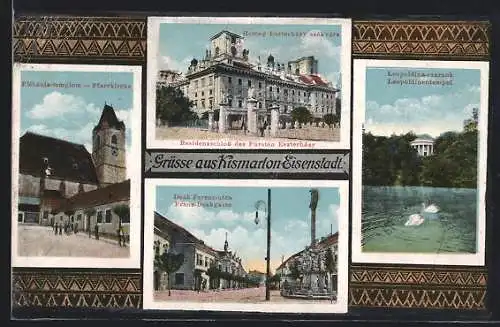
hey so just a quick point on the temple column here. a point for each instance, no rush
(252, 116)
(222, 118)
(210, 120)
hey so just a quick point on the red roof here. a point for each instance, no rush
(313, 80)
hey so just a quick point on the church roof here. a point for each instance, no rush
(110, 194)
(109, 119)
(69, 161)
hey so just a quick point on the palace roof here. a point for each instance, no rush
(227, 32)
(68, 161)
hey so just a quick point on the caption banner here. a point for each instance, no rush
(195, 162)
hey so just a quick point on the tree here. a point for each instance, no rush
(330, 266)
(172, 106)
(204, 115)
(167, 261)
(294, 270)
(301, 114)
(123, 213)
(329, 119)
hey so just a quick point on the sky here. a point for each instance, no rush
(175, 53)
(290, 219)
(423, 109)
(71, 113)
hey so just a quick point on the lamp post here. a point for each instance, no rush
(258, 205)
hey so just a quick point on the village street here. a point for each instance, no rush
(247, 295)
(35, 240)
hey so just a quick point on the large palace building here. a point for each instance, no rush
(225, 75)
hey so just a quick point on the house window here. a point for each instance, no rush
(99, 217)
(206, 261)
(229, 80)
(260, 85)
(202, 93)
(20, 217)
(270, 88)
(108, 216)
(98, 141)
(195, 94)
(278, 90)
(260, 105)
(179, 279)
(239, 81)
(249, 83)
(220, 267)
(230, 102)
(79, 217)
(210, 92)
(240, 103)
(114, 139)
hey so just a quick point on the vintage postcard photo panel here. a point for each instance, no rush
(76, 178)
(419, 162)
(211, 245)
(248, 82)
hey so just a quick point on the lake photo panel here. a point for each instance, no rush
(419, 158)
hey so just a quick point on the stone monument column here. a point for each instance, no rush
(222, 117)
(252, 116)
(210, 120)
(275, 116)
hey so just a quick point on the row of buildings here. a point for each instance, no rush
(198, 259)
(60, 181)
(227, 76)
(298, 261)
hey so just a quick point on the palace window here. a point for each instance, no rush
(195, 94)
(229, 80)
(99, 217)
(206, 261)
(285, 92)
(210, 92)
(179, 279)
(260, 105)
(114, 139)
(230, 102)
(202, 93)
(239, 81)
(270, 88)
(260, 85)
(249, 83)
(240, 103)
(79, 217)
(108, 216)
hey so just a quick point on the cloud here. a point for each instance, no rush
(431, 114)
(314, 44)
(57, 104)
(169, 63)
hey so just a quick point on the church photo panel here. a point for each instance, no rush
(75, 183)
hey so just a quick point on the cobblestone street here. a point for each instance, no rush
(247, 295)
(34, 240)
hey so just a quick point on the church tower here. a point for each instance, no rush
(108, 148)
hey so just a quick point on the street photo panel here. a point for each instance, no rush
(248, 82)
(75, 173)
(419, 162)
(246, 245)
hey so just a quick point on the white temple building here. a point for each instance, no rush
(424, 145)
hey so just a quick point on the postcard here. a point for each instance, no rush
(246, 245)
(419, 162)
(75, 182)
(248, 82)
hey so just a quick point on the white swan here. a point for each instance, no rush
(415, 220)
(430, 209)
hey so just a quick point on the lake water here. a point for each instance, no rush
(386, 209)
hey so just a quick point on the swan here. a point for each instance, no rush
(415, 220)
(430, 209)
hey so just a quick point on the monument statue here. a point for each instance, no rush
(314, 198)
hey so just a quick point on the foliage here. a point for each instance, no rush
(391, 161)
(329, 119)
(167, 261)
(90, 212)
(122, 211)
(301, 114)
(294, 270)
(172, 106)
(329, 261)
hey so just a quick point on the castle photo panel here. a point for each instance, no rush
(76, 144)
(248, 83)
(419, 162)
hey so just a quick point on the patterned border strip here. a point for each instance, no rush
(414, 39)
(76, 289)
(79, 37)
(416, 287)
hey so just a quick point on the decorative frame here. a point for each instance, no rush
(121, 40)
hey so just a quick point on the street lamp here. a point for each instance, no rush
(261, 205)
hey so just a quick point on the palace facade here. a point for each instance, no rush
(226, 75)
